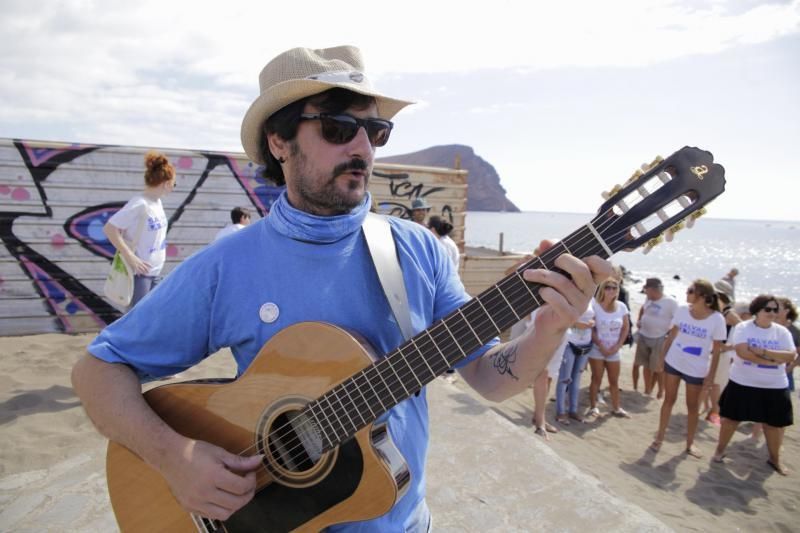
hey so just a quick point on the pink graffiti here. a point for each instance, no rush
(185, 162)
(172, 250)
(20, 194)
(5, 190)
(58, 241)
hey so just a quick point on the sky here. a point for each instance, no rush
(564, 99)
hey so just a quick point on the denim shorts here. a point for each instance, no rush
(690, 380)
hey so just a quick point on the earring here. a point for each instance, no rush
(281, 160)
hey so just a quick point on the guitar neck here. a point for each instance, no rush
(361, 399)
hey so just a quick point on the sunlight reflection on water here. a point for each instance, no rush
(767, 254)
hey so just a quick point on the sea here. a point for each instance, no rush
(767, 253)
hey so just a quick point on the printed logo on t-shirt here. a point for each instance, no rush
(155, 223)
(766, 344)
(696, 351)
(694, 330)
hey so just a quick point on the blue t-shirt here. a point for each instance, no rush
(293, 267)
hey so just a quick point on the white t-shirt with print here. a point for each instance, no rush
(452, 249)
(764, 376)
(690, 351)
(657, 317)
(555, 360)
(609, 325)
(582, 337)
(152, 245)
(230, 229)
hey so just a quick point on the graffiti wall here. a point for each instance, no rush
(55, 199)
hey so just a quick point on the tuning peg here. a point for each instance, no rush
(657, 161)
(636, 175)
(700, 212)
(652, 243)
(612, 192)
(670, 233)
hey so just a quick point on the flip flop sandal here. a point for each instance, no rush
(779, 469)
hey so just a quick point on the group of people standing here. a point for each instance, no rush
(735, 358)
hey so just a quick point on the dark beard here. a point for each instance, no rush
(327, 199)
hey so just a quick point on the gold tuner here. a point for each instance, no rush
(657, 161)
(700, 212)
(636, 174)
(614, 190)
(655, 241)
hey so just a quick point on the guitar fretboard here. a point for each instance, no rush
(362, 398)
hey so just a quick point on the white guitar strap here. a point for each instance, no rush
(381, 245)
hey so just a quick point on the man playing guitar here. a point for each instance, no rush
(316, 126)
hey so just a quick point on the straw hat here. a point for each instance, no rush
(302, 72)
(723, 287)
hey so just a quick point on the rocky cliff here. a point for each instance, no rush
(484, 192)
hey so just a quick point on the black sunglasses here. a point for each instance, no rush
(341, 129)
(771, 309)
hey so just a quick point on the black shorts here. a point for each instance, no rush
(754, 404)
(690, 380)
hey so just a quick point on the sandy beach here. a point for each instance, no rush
(52, 461)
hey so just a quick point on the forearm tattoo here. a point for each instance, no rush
(503, 360)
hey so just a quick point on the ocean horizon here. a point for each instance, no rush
(766, 252)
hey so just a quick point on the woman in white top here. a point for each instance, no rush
(691, 353)
(611, 325)
(139, 230)
(442, 228)
(758, 387)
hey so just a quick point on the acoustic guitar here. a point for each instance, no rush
(310, 399)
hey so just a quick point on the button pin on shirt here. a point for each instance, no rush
(268, 313)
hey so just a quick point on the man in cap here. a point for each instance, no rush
(419, 210)
(654, 322)
(315, 126)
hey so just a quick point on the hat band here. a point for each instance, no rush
(350, 76)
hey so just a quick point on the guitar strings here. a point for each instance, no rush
(452, 346)
(449, 347)
(335, 411)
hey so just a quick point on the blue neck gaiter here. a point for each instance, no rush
(301, 226)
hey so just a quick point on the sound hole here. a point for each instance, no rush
(292, 445)
(294, 442)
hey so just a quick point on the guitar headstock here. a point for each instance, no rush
(659, 199)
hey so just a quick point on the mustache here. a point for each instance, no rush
(353, 164)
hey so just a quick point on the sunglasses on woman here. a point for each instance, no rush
(771, 309)
(611, 287)
(341, 129)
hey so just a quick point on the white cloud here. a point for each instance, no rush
(181, 74)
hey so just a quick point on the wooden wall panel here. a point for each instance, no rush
(52, 267)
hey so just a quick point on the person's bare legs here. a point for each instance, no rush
(755, 434)
(658, 377)
(774, 438)
(539, 403)
(671, 384)
(613, 368)
(726, 430)
(598, 367)
(648, 380)
(693, 393)
(635, 377)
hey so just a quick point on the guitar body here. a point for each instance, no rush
(360, 479)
